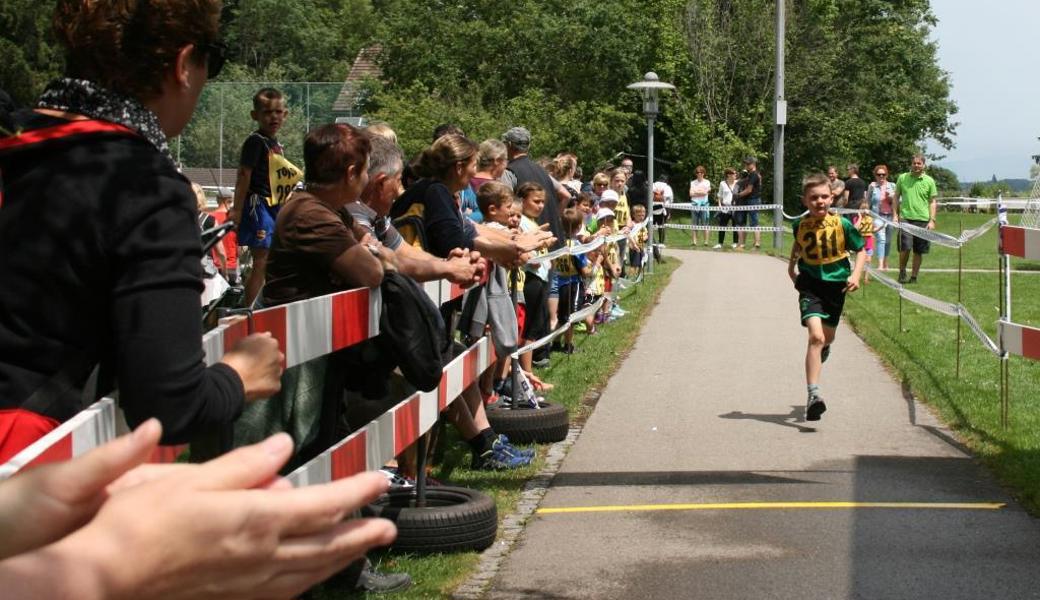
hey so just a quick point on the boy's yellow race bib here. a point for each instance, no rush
(283, 177)
(822, 241)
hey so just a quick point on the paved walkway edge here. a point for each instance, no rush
(512, 526)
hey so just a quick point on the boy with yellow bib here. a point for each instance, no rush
(822, 243)
(265, 180)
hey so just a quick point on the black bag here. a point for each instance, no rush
(411, 331)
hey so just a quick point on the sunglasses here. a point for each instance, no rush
(881, 174)
(216, 56)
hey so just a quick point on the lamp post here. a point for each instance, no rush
(650, 87)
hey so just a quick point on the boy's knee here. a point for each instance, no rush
(817, 338)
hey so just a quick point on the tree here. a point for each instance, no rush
(30, 54)
(945, 180)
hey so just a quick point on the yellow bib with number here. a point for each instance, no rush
(283, 177)
(822, 241)
(866, 226)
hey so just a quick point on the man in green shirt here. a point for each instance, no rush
(915, 204)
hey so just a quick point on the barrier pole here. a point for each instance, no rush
(514, 363)
(420, 473)
(900, 313)
(960, 288)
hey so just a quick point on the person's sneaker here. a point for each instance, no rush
(502, 439)
(733, 245)
(717, 247)
(541, 362)
(617, 311)
(569, 349)
(825, 353)
(580, 327)
(499, 457)
(902, 277)
(913, 279)
(374, 582)
(397, 481)
(814, 408)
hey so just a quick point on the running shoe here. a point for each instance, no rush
(903, 278)
(397, 481)
(500, 457)
(825, 353)
(814, 408)
(528, 452)
(913, 279)
(717, 247)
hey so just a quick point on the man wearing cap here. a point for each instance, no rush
(750, 195)
(522, 169)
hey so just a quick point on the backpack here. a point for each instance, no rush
(411, 331)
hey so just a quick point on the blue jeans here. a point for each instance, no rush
(752, 215)
(882, 238)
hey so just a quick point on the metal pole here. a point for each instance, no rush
(179, 150)
(220, 144)
(650, 179)
(900, 312)
(514, 364)
(960, 293)
(308, 128)
(420, 474)
(780, 109)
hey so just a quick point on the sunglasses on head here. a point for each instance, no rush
(216, 56)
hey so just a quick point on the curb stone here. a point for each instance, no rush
(475, 587)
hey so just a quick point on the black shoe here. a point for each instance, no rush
(814, 408)
(825, 353)
(913, 279)
(902, 277)
(568, 349)
(374, 582)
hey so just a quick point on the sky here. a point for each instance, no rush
(990, 49)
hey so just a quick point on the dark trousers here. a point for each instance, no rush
(726, 220)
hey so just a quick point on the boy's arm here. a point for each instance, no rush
(857, 271)
(792, 262)
(241, 191)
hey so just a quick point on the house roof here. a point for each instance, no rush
(364, 67)
(211, 177)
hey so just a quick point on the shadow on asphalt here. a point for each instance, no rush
(791, 419)
(669, 478)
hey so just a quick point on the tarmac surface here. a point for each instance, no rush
(707, 411)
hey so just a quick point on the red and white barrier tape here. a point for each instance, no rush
(1019, 340)
(387, 436)
(1023, 242)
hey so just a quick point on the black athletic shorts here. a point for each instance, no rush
(906, 240)
(536, 299)
(818, 298)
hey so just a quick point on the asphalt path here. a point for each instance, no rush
(675, 480)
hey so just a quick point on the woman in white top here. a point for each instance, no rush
(727, 191)
(699, 190)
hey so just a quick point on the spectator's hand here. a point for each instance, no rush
(207, 531)
(931, 223)
(530, 241)
(258, 362)
(617, 272)
(461, 268)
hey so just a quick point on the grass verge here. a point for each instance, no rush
(577, 378)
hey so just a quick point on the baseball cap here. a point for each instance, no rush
(518, 137)
(608, 196)
(750, 160)
(604, 213)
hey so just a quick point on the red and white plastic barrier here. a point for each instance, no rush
(1019, 340)
(387, 436)
(1023, 242)
(305, 330)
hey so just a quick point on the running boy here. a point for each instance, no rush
(264, 181)
(822, 242)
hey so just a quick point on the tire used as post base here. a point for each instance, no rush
(547, 424)
(455, 519)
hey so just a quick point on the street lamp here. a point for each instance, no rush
(650, 87)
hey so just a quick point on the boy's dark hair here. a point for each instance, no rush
(493, 193)
(528, 188)
(571, 220)
(269, 94)
(585, 198)
(812, 180)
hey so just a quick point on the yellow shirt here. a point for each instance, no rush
(621, 213)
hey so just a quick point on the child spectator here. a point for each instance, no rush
(587, 213)
(264, 181)
(570, 270)
(638, 241)
(594, 285)
(536, 280)
(865, 224)
(611, 262)
(822, 242)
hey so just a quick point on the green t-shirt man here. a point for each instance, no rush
(915, 196)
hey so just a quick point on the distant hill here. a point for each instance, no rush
(1016, 185)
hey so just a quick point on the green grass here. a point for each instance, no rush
(923, 356)
(574, 377)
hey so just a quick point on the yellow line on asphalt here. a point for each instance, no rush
(779, 506)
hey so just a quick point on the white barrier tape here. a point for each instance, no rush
(685, 227)
(579, 249)
(575, 317)
(946, 308)
(388, 435)
(983, 203)
(90, 428)
(716, 208)
(1019, 340)
(1023, 242)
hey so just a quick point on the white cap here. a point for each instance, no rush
(603, 213)
(609, 196)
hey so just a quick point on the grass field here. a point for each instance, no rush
(575, 377)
